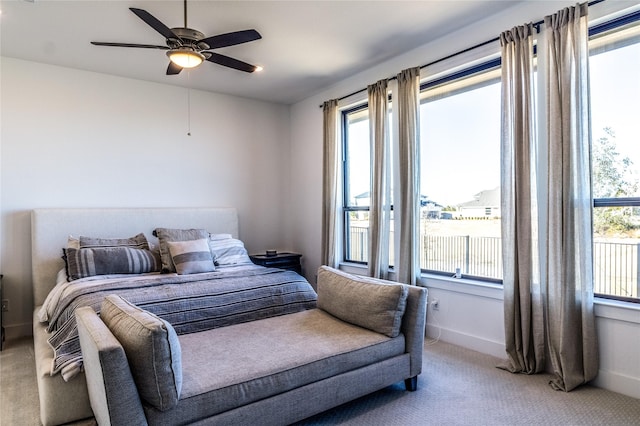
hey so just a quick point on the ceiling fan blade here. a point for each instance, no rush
(173, 69)
(154, 23)
(230, 39)
(230, 62)
(142, 46)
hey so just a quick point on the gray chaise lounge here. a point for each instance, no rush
(365, 335)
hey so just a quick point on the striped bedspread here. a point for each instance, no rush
(190, 303)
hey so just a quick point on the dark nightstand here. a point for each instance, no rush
(283, 260)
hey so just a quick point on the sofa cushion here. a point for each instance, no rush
(243, 363)
(377, 305)
(152, 348)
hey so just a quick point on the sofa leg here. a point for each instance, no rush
(411, 383)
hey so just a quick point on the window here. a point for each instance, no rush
(357, 184)
(460, 174)
(460, 117)
(614, 66)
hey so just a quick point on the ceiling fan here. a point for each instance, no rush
(188, 48)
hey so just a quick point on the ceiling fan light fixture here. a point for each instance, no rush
(185, 58)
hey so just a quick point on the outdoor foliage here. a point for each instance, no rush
(613, 177)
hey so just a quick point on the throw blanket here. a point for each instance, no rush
(190, 303)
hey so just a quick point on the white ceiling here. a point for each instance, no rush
(306, 45)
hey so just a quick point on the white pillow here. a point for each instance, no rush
(229, 251)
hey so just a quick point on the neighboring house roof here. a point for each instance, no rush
(424, 200)
(487, 198)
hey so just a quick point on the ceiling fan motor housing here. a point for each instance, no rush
(190, 36)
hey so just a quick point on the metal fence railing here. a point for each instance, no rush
(478, 256)
(615, 268)
(616, 265)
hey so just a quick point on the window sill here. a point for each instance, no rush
(604, 308)
(458, 285)
(617, 310)
(462, 285)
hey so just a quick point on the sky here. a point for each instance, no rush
(460, 134)
(460, 145)
(460, 150)
(615, 102)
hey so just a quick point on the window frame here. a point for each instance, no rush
(611, 26)
(614, 24)
(489, 65)
(347, 208)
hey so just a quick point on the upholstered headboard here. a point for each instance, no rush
(50, 229)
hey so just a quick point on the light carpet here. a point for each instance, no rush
(457, 387)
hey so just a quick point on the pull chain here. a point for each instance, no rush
(188, 104)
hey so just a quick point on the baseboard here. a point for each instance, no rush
(609, 380)
(619, 383)
(16, 331)
(468, 341)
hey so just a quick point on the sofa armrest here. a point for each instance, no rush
(112, 391)
(413, 326)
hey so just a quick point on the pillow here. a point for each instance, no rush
(138, 241)
(73, 242)
(228, 251)
(191, 257)
(152, 348)
(166, 234)
(214, 237)
(376, 305)
(87, 262)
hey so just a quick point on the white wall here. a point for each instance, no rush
(76, 139)
(469, 315)
(72, 138)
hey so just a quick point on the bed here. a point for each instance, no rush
(192, 301)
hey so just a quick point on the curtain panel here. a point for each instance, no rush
(330, 179)
(569, 267)
(408, 211)
(379, 207)
(546, 223)
(523, 314)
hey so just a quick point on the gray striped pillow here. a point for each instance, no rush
(191, 257)
(88, 262)
(168, 234)
(138, 241)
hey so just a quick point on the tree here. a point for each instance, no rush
(613, 176)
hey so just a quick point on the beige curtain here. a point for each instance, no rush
(408, 211)
(379, 208)
(330, 175)
(568, 269)
(548, 286)
(523, 315)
